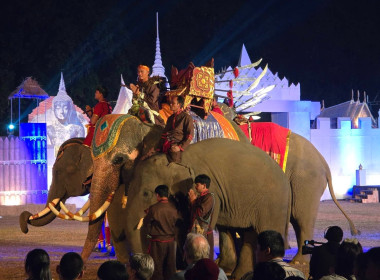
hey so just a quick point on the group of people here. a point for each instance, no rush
(337, 260)
(163, 223)
(71, 267)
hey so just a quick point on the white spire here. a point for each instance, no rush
(62, 86)
(158, 69)
(244, 57)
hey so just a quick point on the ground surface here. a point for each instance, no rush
(63, 236)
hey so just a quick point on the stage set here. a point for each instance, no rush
(26, 161)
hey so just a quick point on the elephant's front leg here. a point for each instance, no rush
(227, 252)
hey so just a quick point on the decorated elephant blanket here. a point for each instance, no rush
(107, 133)
(271, 138)
(215, 126)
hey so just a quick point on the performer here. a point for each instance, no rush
(100, 110)
(145, 103)
(202, 207)
(161, 221)
(100, 244)
(178, 132)
(215, 106)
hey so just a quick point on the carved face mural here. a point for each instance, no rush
(62, 110)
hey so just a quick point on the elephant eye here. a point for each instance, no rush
(117, 160)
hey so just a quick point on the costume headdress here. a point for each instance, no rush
(143, 67)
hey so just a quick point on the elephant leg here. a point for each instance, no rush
(303, 221)
(246, 256)
(227, 253)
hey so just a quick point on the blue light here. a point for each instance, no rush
(11, 127)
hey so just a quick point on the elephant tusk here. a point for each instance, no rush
(83, 209)
(57, 213)
(67, 211)
(140, 224)
(45, 211)
(98, 212)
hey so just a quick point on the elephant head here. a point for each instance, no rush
(135, 139)
(72, 173)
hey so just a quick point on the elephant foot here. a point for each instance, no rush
(300, 259)
(227, 265)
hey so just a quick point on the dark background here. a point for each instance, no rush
(329, 47)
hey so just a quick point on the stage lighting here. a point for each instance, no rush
(11, 127)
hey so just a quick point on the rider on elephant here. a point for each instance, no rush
(146, 97)
(101, 109)
(178, 132)
(201, 209)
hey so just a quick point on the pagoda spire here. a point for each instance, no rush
(244, 57)
(62, 86)
(158, 69)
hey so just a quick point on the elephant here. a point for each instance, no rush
(250, 191)
(307, 172)
(71, 173)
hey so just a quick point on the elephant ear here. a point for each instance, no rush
(183, 177)
(152, 138)
(85, 159)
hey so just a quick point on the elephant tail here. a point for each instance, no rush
(353, 229)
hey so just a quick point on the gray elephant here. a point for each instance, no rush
(71, 173)
(254, 198)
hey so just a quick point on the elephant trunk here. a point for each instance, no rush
(133, 225)
(46, 217)
(104, 182)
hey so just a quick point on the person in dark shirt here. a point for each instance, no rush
(161, 221)
(324, 256)
(178, 132)
(202, 207)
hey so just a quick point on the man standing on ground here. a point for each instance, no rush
(178, 132)
(161, 221)
(270, 248)
(101, 109)
(202, 208)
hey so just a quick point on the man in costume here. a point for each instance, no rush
(178, 132)
(101, 109)
(202, 207)
(145, 103)
(161, 221)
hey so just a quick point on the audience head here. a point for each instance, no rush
(196, 248)
(334, 234)
(268, 271)
(372, 271)
(270, 245)
(112, 270)
(204, 269)
(346, 256)
(162, 190)
(141, 266)
(37, 265)
(70, 267)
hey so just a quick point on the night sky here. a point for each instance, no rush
(330, 47)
